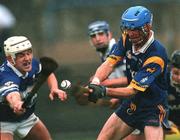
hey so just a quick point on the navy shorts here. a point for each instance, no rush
(139, 117)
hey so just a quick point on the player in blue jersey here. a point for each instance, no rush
(18, 75)
(145, 105)
(174, 91)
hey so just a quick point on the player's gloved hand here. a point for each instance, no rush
(98, 92)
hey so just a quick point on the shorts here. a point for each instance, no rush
(19, 128)
(138, 118)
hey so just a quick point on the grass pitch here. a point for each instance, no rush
(173, 137)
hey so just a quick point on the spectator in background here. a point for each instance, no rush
(7, 22)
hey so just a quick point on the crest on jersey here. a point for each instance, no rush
(151, 70)
(144, 80)
(9, 83)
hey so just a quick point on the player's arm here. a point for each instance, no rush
(52, 81)
(15, 102)
(102, 72)
(152, 68)
(54, 89)
(99, 91)
(105, 69)
(121, 92)
(116, 82)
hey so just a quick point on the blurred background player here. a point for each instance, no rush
(174, 92)
(101, 38)
(18, 75)
(7, 22)
(146, 66)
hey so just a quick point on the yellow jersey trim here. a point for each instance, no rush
(114, 59)
(155, 59)
(136, 85)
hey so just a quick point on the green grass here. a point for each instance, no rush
(173, 137)
(90, 135)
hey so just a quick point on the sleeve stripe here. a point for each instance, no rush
(155, 59)
(10, 90)
(114, 59)
(135, 85)
(6, 89)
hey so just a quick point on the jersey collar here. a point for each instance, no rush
(145, 46)
(110, 46)
(16, 70)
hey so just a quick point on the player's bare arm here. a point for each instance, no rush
(117, 82)
(15, 102)
(121, 92)
(103, 72)
(54, 89)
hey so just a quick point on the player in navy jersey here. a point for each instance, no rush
(145, 105)
(101, 38)
(18, 74)
(174, 91)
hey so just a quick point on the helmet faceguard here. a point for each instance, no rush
(175, 59)
(16, 44)
(98, 27)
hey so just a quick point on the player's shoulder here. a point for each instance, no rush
(157, 49)
(36, 65)
(5, 69)
(35, 61)
(7, 75)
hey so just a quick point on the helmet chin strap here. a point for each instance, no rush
(11, 60)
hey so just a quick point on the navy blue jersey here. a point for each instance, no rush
(146, 71)
(13, 81)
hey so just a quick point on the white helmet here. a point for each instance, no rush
(15, 45)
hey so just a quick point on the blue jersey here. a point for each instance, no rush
(146, 71)
(13, 81)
